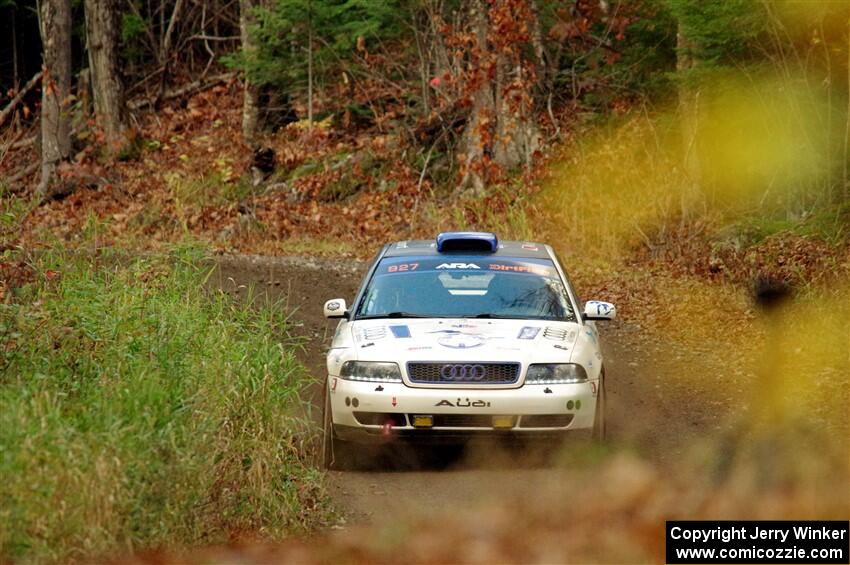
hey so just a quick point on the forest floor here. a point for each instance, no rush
(696, 366)
(185, 177)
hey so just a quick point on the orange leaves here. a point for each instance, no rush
(49, 87)
(509, 25)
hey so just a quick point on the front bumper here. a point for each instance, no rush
(364, 411)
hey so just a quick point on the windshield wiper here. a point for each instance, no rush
(497, 317)
(393, 315)
(516, 317)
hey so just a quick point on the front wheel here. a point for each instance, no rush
(599, 424)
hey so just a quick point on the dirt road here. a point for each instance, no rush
(652, 409)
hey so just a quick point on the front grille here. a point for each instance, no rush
(463, 421)
(463, 373)
(380, 418)
(546, 421)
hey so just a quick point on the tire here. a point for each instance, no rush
(334, 450)
(600, 427)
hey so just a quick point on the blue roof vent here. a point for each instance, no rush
(467, 241)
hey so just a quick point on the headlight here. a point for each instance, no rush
(370, 371)
(555, 374)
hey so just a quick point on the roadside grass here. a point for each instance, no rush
(13, 210)
(213, 188)
(315, 246)
(830, 223)
(748, 164)
(139, 411)
(510, 211)
(611, 191)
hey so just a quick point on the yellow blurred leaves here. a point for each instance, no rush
(764, 144)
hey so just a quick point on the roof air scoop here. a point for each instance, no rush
(467, 241)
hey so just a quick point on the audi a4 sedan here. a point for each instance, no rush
(463, 336)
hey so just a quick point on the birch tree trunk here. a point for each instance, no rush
(251, 98)
(106, 85)
(55, 27)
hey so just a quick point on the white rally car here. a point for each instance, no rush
(463, 336)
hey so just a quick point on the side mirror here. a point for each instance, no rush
(336, 308)
(597, 310)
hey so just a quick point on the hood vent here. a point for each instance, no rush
(373, 333)
(555, 333)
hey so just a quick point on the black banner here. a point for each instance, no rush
(773, 541)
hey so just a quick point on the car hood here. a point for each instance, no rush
(446, 339)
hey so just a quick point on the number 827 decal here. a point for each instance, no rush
(402, 267)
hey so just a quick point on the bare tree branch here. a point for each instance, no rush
(7, 111)
(30, 169)
(166, 39)
(191, 88)
(214, 38)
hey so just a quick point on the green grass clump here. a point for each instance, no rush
(139, 410)
(829, 223)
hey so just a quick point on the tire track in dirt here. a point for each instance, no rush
(647, 412)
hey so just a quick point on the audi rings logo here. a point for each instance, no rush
(463, 372)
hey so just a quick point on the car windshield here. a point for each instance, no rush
(461, 286)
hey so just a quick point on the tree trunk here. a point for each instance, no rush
(846, 192)
(502, 131)
(106, 86)
(251, 99)
(479, 129)
(55, 24)
(310, 69)
(689, 121)
(15, 78)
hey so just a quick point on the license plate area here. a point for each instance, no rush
(422, 421)
(478, 421)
